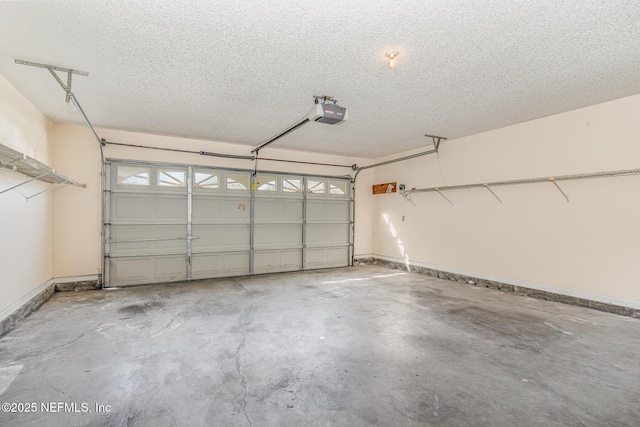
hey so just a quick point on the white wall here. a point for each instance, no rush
(25, 227)
(588, 247)
(77, 211)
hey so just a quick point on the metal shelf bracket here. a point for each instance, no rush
(486, 185)
(445, 197)
(553, 181)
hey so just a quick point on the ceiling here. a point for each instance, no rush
(242, 71)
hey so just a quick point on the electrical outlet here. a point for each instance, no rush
(401, 187)
(403, 217)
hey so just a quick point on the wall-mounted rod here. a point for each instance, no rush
(553, 179)
(281, 134)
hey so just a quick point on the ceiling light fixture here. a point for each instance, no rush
(393, 61)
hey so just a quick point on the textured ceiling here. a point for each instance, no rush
(242, 71)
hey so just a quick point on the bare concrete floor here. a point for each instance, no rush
(354, 346)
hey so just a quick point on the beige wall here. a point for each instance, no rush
(25, 227)
(589, 247)
(77, 211)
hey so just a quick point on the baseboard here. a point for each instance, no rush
(519, 287)
(13, 314)
(77, 283)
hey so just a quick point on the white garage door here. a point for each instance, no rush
(169, 223)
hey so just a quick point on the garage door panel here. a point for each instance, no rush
(290, 209)
(146, 269)
(238, 236)
(206, 265)
(277, 261)
(327, 210)
(337, 256)
(327, 257)
(130, 270)
(211, 209)
(327, 234)
(206, 208)
(274, 236)
(211, 238)
(236, 209)
(171, 207)
(170, 269)
(235, 264)
(125, 239)
(266, 209)
(278, 209)
(316, 258)
(130, 206)
(220, 264)
(147, 208)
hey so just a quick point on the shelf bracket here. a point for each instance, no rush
(407, 198)
(25, 182)
(52, 189)
(52, 69)
(445, 197)
(486, 185)
(552, 179)
(436, 140)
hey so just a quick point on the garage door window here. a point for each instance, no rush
(338, 187)
(237, 181)
(171, 178)
(133, 175)
(315, 187)
(291, 185)
(207, 180)
(266, 183)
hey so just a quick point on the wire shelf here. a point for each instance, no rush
(38, 171)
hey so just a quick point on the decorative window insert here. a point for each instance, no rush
(315, 187)
(208, 180)
(266, 183)
(133, 175)
(338, 187)
(237, 181)
(291, 185)
(172, 178)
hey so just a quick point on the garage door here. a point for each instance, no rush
(169, 223)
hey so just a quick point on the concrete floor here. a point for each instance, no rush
(353, 346)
